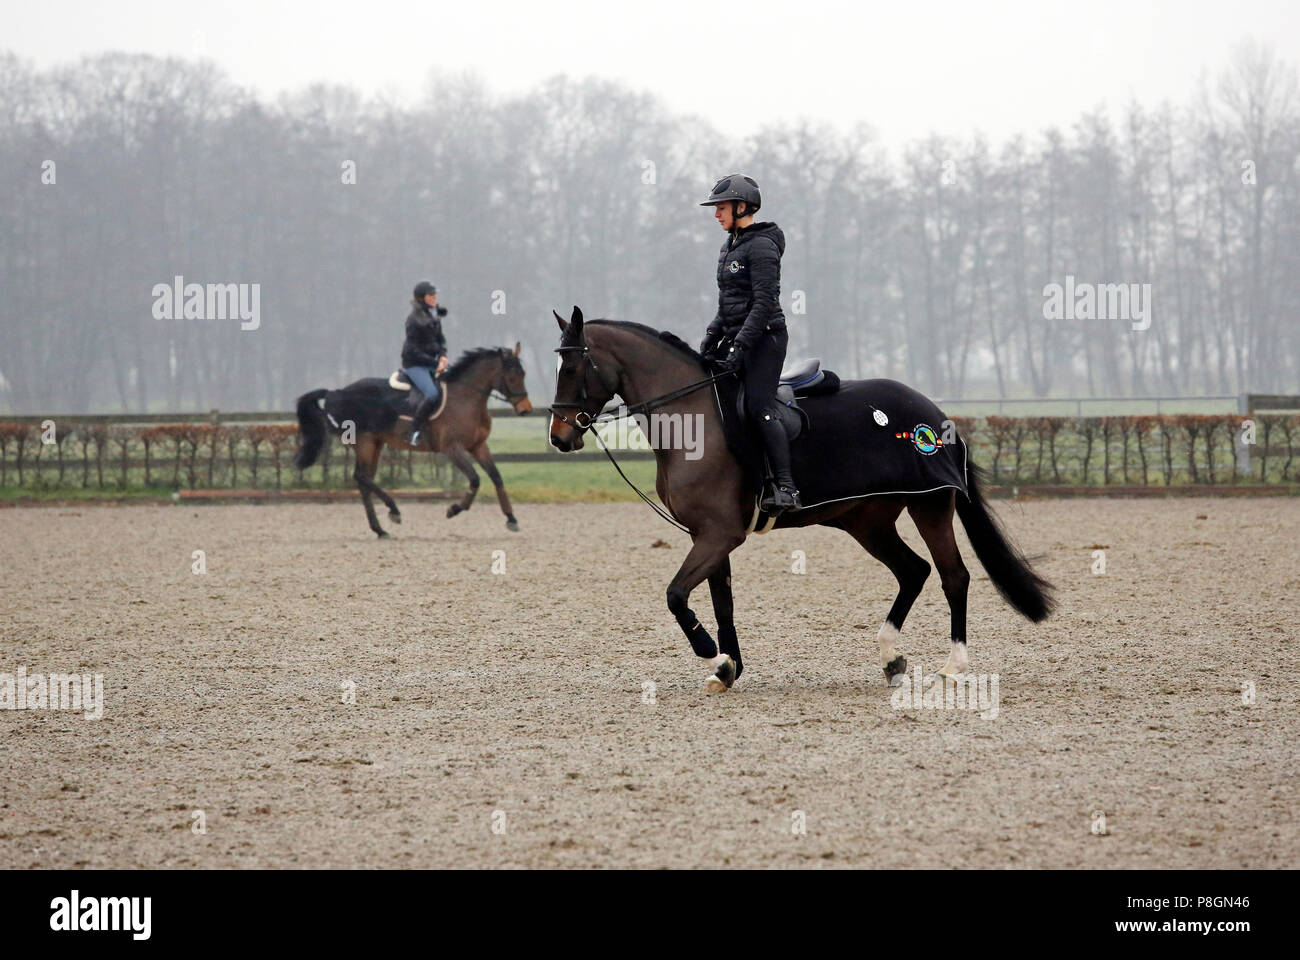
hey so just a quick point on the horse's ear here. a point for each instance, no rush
(518, 346)
(577, 316)
(561, 321)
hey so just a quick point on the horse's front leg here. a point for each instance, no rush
(723, 611)
(708, 554)
(484, 457)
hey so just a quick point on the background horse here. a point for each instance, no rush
(711, 498)
(380, 414)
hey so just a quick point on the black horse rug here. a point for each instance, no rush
(909, 443)
(374, 404)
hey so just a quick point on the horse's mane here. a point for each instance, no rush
(467, 360)
(665, 336)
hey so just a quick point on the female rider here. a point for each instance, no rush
(748, 335)
(424, 354)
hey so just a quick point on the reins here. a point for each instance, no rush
(623, 413)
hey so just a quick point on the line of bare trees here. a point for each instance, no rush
(120, 172)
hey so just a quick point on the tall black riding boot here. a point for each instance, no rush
(784, 495)
(417, 424)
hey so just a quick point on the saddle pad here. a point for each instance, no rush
(375, 405)
(848, 453)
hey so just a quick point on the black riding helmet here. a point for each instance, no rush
(736, 186)
(423, 289)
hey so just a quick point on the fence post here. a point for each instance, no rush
(1243, 449)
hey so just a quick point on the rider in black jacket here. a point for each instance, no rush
(424, 354)
(748, 335)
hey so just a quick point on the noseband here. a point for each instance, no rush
(588, 363)
(509, 398)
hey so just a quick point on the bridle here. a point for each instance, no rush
(588, 364)
(599, 416)
(584, 395)
(509, 398)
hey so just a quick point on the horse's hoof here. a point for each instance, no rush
(512, 525)
(381, 534)
(454, 509)
(896, 670)
(394, 516)
(723, 677)
(957, 664)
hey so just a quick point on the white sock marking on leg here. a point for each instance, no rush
(957, 663)
(887, 638)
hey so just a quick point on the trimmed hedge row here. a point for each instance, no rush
(1150, 450)
(179, 455)
(1146, 450)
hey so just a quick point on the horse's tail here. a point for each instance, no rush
(311, 428)
(1006, 565)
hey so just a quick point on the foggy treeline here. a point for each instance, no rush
(927, 263)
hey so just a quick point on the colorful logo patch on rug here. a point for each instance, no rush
(923, 437)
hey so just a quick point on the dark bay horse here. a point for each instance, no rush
(709, 497)
(378, 415)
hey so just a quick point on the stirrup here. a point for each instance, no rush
(781, 498)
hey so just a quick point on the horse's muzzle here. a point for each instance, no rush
(566, 445)
(563, 437)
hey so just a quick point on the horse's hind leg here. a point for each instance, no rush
(465, 465)
(366, 463)
(393, 513)
(872, 525)
(933, 516)
(484, 457)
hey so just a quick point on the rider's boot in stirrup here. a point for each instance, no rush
(783, 495)
(416, 435)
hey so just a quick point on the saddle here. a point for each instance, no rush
(399, 381)
(799, 378)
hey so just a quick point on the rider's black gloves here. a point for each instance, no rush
(733, 362)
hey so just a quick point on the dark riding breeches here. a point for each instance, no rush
(763, 372)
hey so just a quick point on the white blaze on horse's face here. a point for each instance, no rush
(563, 436)
(559, 362)
(556, 441)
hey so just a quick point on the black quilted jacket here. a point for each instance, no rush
(749, 287)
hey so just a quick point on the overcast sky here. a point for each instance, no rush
(907, 68)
